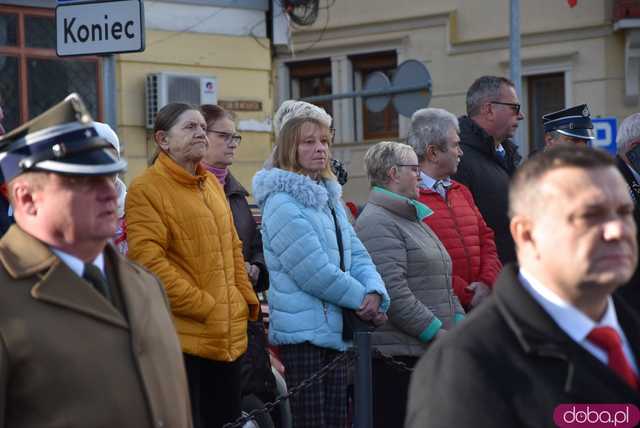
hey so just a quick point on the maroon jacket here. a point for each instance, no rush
(464, 233)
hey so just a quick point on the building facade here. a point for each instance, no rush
(570, 55)
(225, 41)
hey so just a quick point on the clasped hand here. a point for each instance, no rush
(369, 310)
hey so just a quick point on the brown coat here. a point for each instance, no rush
(70, 359)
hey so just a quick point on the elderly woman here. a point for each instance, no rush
(317, 267)
(223, 144)
(416, 270)
(258, 381)
(456, 219)
(181, 228)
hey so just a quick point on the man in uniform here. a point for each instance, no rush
(569, 126)
(86, 338)
(551, 334)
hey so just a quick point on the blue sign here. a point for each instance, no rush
(605, 129)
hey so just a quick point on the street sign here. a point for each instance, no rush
(115, 26)
(605, 129)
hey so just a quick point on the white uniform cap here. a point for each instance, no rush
(106, 132)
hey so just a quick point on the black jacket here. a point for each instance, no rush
(255, 367)
(487, 175)
(509, 365)
(631, 291)
(5, 219)
(247, 229)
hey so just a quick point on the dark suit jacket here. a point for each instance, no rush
(509, 365)
(68, 358)
(487, 175)
(631, 291)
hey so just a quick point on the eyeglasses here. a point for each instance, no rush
(515, 107)
(227, 136)
(414, 168)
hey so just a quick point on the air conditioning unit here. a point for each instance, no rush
(164, 88)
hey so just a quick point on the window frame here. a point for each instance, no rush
(23, 53)
(362, 65)
(318, 68)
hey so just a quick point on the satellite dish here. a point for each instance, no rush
(377, 81)
(410, 73)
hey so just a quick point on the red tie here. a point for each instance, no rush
(608, 340)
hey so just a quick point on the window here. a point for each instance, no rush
(312, 78)
(546, 95)
(383, 124)
(32, 76)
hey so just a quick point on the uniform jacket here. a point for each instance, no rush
(467, 238)
(308, 289)
(70, 359)
(511, 365)
(247, 228)
(416, 270)
(631, 291)
(487, 175)
(180, 227)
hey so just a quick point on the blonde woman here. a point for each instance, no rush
(317, 266)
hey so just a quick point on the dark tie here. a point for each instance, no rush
(441, 188)
(95, 277)
(609, 341)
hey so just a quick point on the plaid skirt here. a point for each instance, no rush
(324, 403)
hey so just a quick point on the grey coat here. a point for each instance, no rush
(416, 270)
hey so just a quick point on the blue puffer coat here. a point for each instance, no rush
(307, 288)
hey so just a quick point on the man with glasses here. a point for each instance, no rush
(490, 157)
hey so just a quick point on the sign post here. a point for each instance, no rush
(105, 27)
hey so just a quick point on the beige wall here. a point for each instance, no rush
(461, 40)
(242, 67)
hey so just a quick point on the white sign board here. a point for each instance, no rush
(99, 28)
(605, 131)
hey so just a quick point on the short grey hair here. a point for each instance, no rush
(290, 109)
(430, 126)
(484, 89)
(628, 133)
(383, 156)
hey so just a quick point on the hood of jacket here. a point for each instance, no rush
(308, 192)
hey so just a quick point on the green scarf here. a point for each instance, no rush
(422, 211)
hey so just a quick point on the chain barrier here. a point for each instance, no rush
(392, 362)
(348, 356)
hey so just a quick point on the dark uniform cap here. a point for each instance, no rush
(61, 140)
(573, 121)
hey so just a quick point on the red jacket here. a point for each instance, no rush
(464, 233)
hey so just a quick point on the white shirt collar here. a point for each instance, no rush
(572, 321)
(426, 181)
(75, 264)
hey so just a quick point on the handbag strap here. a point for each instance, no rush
(338, 237)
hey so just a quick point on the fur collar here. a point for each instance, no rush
(305, 190)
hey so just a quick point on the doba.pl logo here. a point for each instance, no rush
(596, 415)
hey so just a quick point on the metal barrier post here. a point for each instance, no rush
(363, 415)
